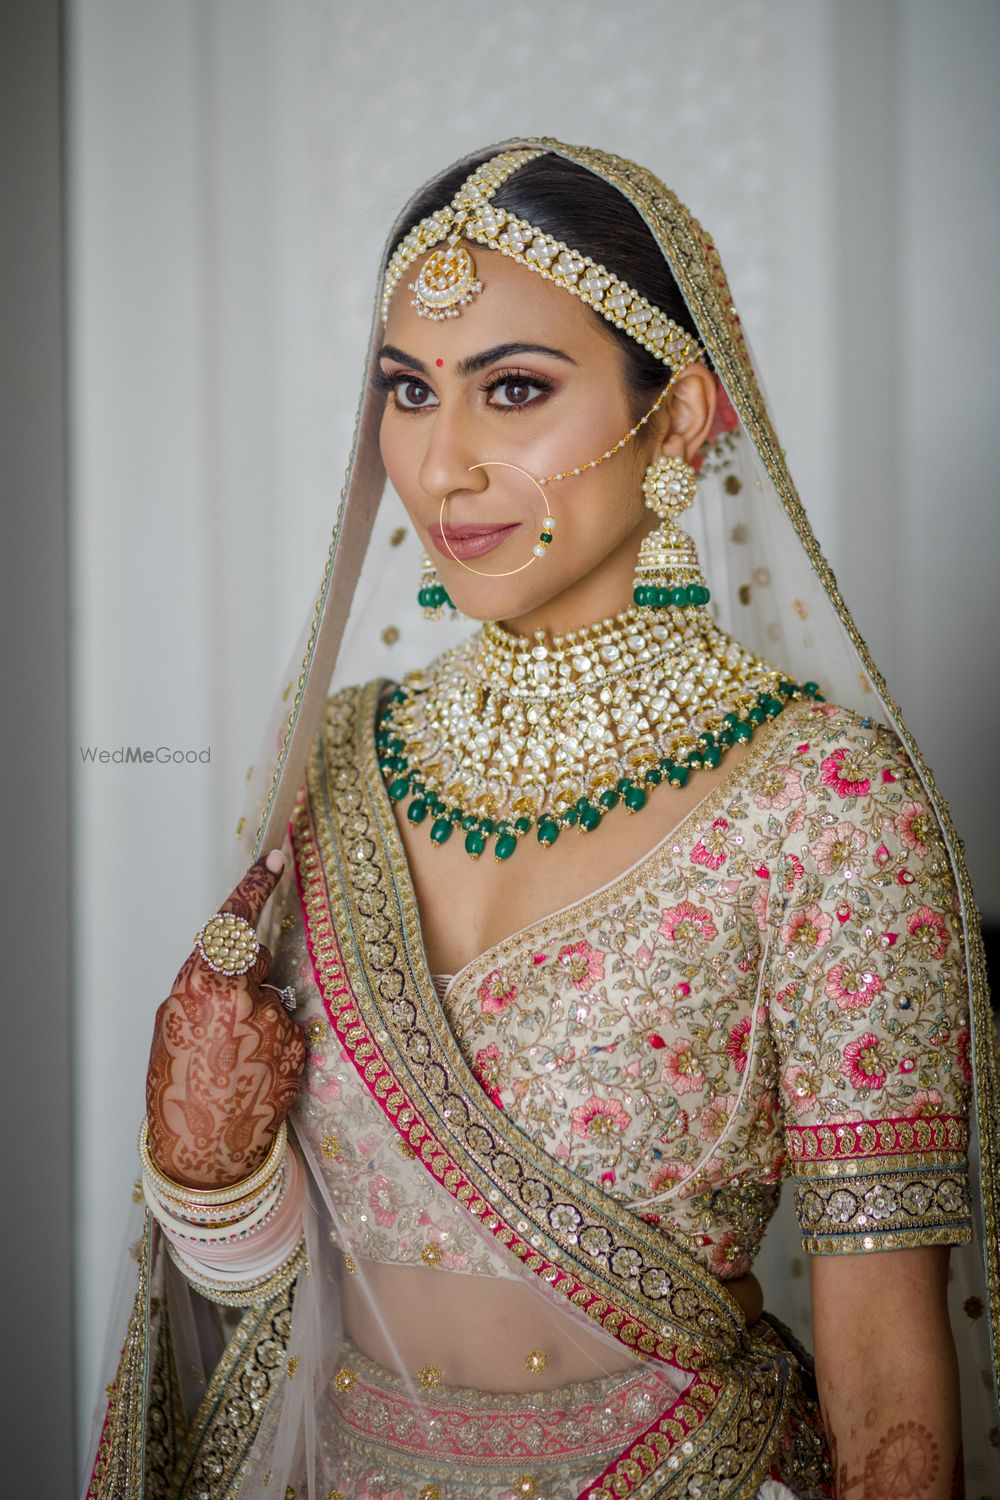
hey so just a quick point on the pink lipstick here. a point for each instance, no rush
(468, 541)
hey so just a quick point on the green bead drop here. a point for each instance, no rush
(399, 788)
(417, 810)
(589, 818)
(441, 830)
(548, 832)
(475, 843)
(635, 798)
(505, 846)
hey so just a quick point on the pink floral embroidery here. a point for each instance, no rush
(794, 870)
(799, 1086)
(844, 771)
(495, 994)
(864, 1065)
(759, 909)
(789, 995)
(964, 1060)
(715, 1116)
(929, 929)
(688, 926)
(584, 964)
(914, 827)
(726, 1258)
(778, 787)
(806, 929)
(487, 1067)
(600, 1120)
(681, 1068)
(738, 1042)
(852, 984)
(664, 1176)
(711, 849)
(383, 1200)
(643, 956)
(836, 847)
(925, 1103)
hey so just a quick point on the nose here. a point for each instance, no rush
(449, 453)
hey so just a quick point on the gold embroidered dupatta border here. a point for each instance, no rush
(144, 1451)
(363, 931)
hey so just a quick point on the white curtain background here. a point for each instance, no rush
(233, 167)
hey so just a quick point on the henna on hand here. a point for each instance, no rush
(225, 1064)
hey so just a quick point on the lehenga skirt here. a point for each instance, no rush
(454, 1441)
(381, 1442)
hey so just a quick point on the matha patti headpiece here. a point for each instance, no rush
(447, 280)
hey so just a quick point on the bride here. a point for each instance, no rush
(468, 1111)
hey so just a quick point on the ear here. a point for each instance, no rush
(691, 412)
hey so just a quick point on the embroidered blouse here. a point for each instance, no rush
(775, 990)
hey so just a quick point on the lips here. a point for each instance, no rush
(474, 539)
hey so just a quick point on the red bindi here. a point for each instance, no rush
(439, 362)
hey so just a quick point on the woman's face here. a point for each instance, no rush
(527, 376)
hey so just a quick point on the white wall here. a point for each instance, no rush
(234, 167)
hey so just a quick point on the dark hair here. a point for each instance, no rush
(573, 205)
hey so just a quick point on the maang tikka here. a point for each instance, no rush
(667, 571)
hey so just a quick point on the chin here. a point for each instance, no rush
(491, 603)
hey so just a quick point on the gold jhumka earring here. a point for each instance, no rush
(667, 572)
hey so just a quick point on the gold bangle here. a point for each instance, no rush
(245, 1293)
(165, 1187)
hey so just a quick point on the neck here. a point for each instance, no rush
(600, 595)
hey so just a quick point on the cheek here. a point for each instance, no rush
(397, 457)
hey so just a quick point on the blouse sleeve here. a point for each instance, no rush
(868, 998)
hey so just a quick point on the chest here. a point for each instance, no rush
(470, 906)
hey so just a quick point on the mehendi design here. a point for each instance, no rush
(901, 1466)
(225, 1063)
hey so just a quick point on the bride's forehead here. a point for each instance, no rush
(513, 300)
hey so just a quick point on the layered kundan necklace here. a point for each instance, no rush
(505, 734)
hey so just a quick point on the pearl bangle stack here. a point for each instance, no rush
(200, 1212)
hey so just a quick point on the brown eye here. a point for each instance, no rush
(516, 392)
(508, 392)
(411, 394)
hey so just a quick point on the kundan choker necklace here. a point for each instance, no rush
(503, 734)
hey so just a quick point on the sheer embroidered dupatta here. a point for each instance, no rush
(642, 1294)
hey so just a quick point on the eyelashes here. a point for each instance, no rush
(391, 383)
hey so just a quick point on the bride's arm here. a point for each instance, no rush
(887, 1373)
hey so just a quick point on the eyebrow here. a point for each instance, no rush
(474, 362)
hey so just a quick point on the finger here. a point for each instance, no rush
(249, 897)
(260, 968)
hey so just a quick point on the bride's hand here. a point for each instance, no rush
(226, 1059)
